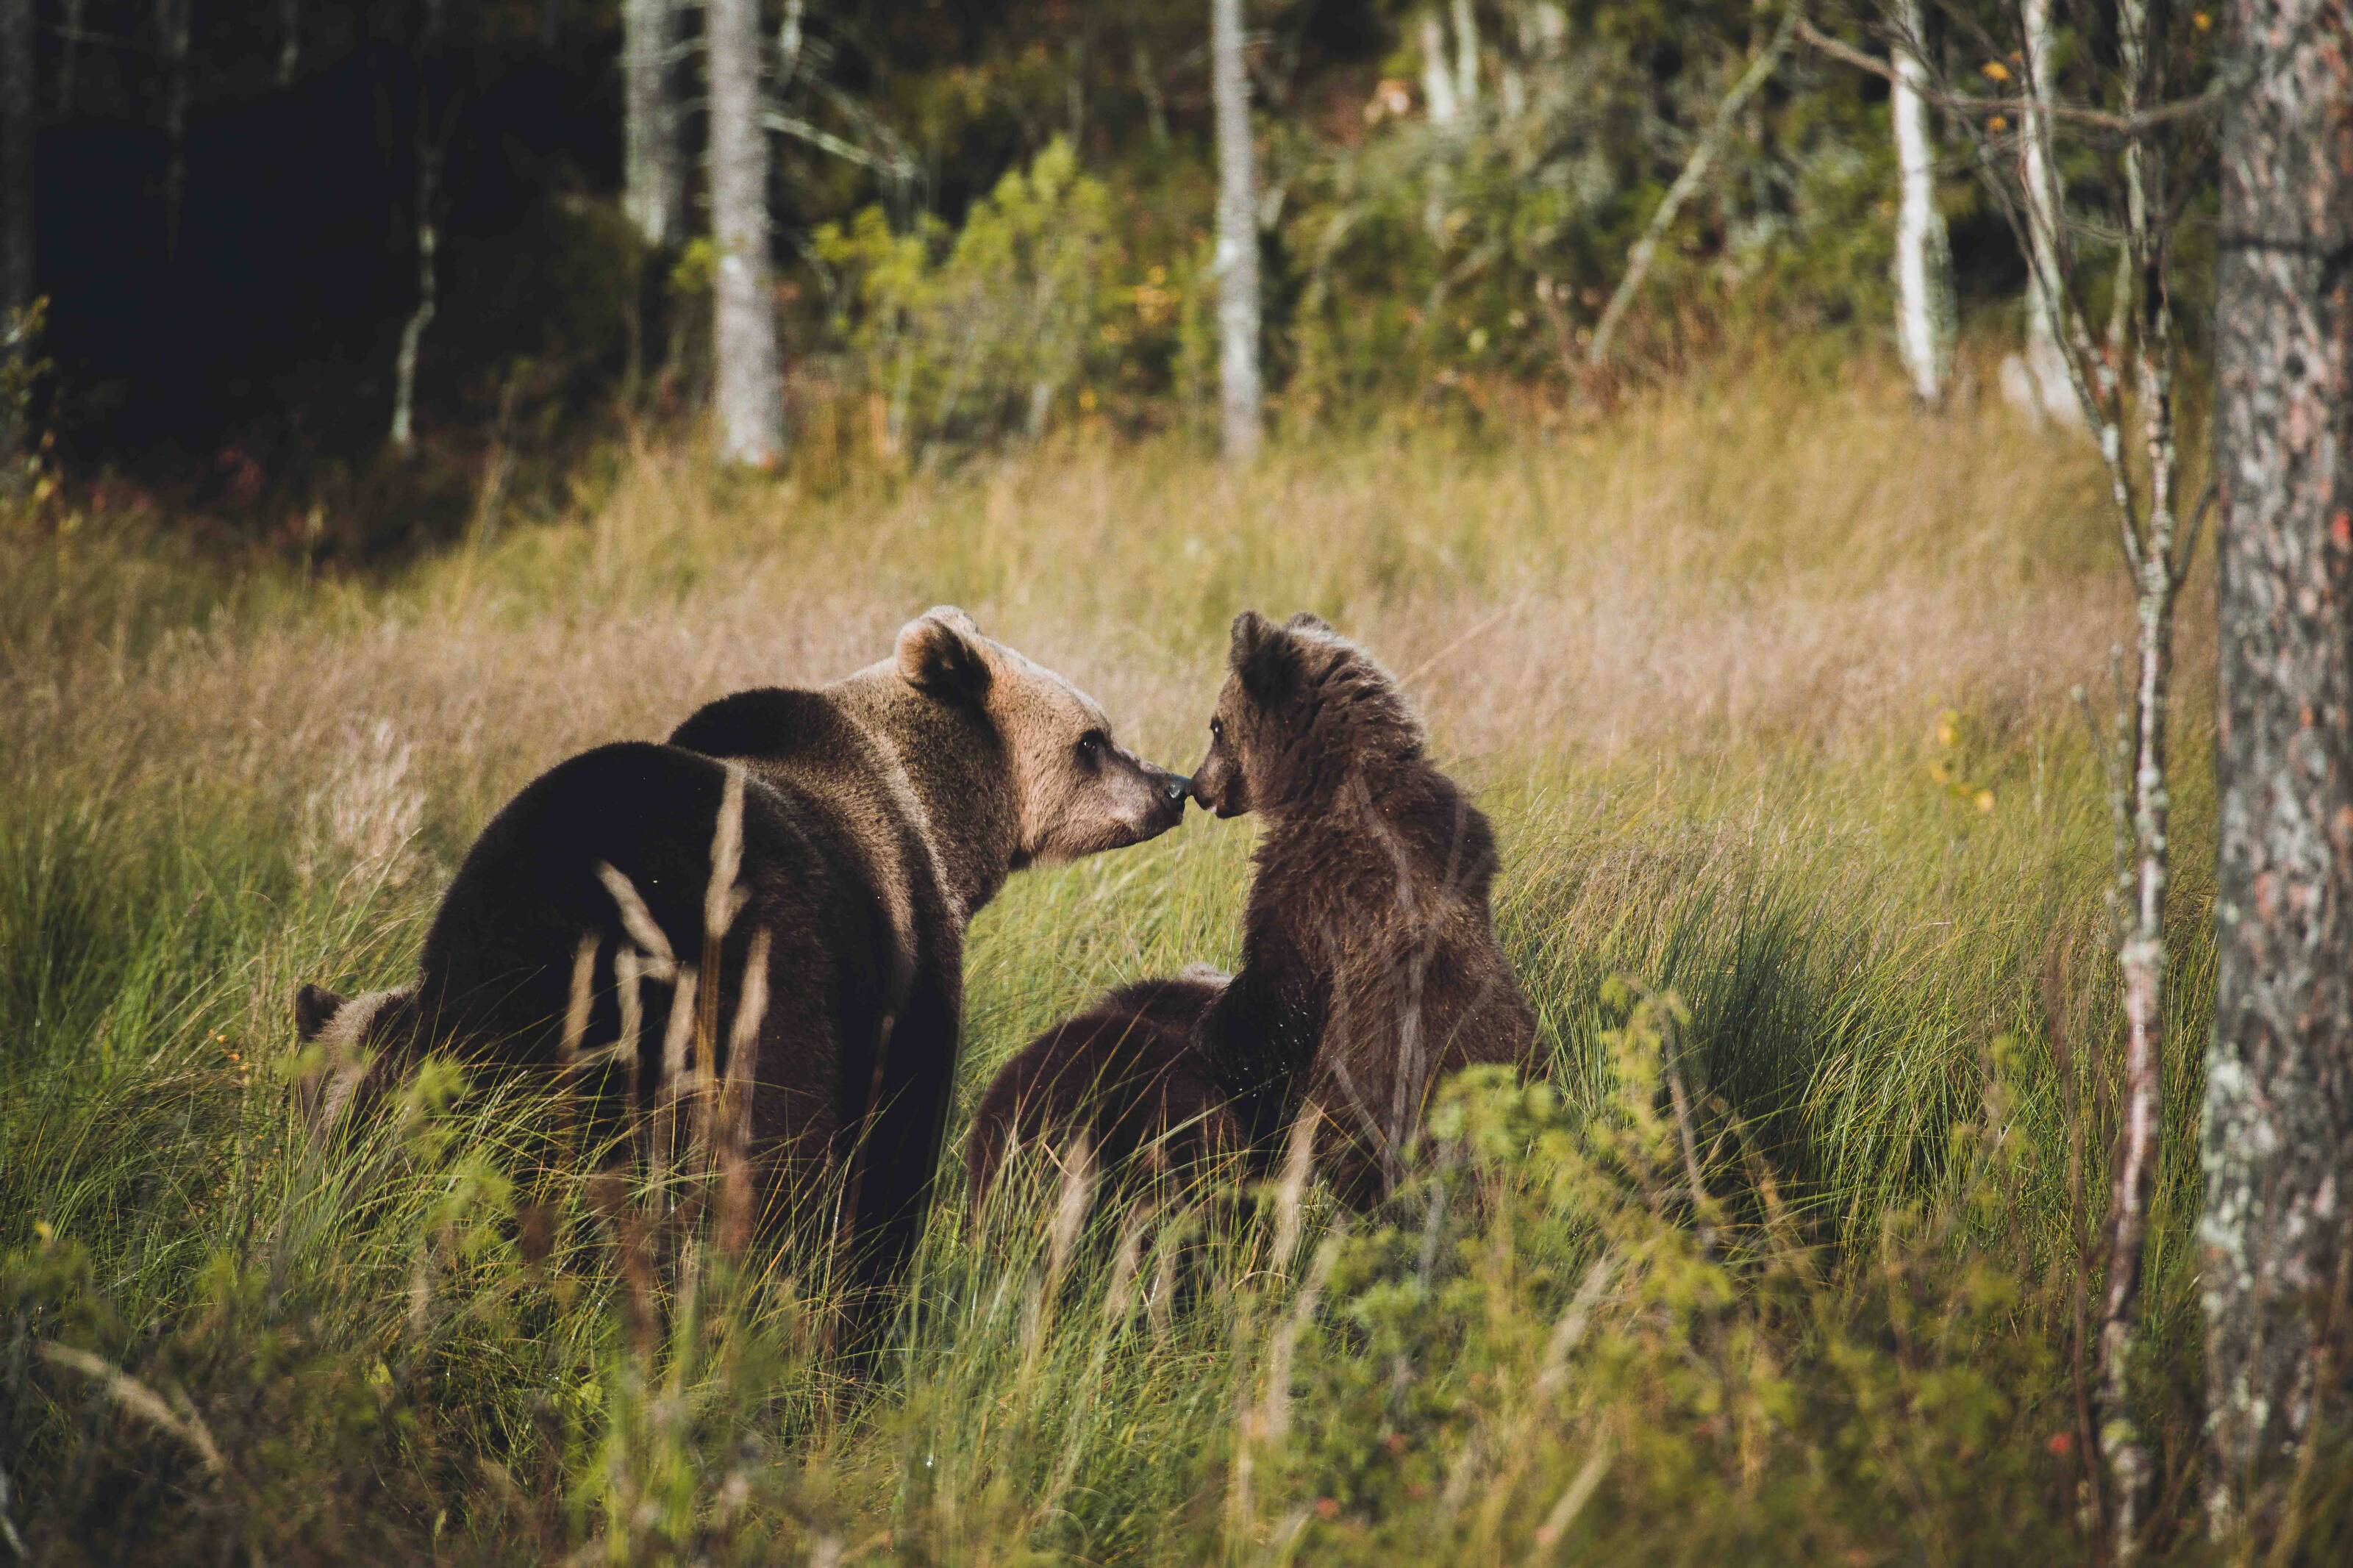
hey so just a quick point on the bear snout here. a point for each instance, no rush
(1170, 794)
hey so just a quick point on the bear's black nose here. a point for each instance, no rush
(1176, 786)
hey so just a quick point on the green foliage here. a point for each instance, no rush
(978, 333)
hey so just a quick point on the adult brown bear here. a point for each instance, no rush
(1370, 967)
(877, 814)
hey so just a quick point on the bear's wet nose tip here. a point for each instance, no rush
(1177, 787)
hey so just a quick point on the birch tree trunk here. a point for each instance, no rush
(1437, 81)
(428, 241)
(1237, 298)
(2052, 391)
(2279, 1078)
(16, 231)
(1924, 277)
(1466, 57)
(750, 390)
(653, 172)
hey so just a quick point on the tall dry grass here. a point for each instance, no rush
(1768, 684)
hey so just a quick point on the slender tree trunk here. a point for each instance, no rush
(1466, 57)
(1437, 81)
(428, 240)
(653, 172)
(2052, 391)
(750, 392)
(2144, 303)
(15, 233)
(1238, 295)
(289, 40)
(1155, 109)
(1923, 276)
(2279, 1081)
(1695, 171)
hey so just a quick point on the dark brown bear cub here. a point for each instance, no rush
(1124, 1074)
(1370, 968)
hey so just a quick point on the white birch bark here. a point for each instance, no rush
(1437, 77)
(2052, 390)
(750, 391)
(1466, 57)
(653, 171)
(1924, 285)
(1237, 258)
(429, 243)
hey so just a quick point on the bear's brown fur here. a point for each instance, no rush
(878, 815)
(1370, 967)
(1125, 1076)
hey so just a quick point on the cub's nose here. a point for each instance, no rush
(1175, 787)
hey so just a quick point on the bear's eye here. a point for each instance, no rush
(1217, 729)
(1092, 744)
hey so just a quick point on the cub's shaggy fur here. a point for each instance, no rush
(1124, 1074)
(878, 815)
(1370, 967)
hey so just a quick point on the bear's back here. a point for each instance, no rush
(496, 963)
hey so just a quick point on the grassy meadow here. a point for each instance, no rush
(1767, 682)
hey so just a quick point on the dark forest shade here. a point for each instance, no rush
(2279, 1106)
(16, 217)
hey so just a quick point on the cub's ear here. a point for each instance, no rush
(1309, 621)
(314, 1008)
(940, 654)
(1266, 657)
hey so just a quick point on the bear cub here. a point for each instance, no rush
(1124, 1074)
(1370, 968)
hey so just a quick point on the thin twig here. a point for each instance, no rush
(1638, 261)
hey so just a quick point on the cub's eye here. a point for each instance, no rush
(1217, 729)
(1092, 744)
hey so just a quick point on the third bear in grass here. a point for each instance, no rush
(1370, 968)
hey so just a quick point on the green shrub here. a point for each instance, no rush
(975, 334)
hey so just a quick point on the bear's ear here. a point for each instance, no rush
(314, 1008)
(940, 654)
(1266, 657)
(1309, 621)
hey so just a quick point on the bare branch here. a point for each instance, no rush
(1638, 261)
(2225, 85)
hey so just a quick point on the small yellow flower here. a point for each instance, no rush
(1999, 122)
(43, 1229)
(1984, 800)
(2200, 20)
(1995, 70)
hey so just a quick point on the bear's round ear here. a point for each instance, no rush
(1265, 655)
(1309, 621)
(314, 1008)
(940, 655)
